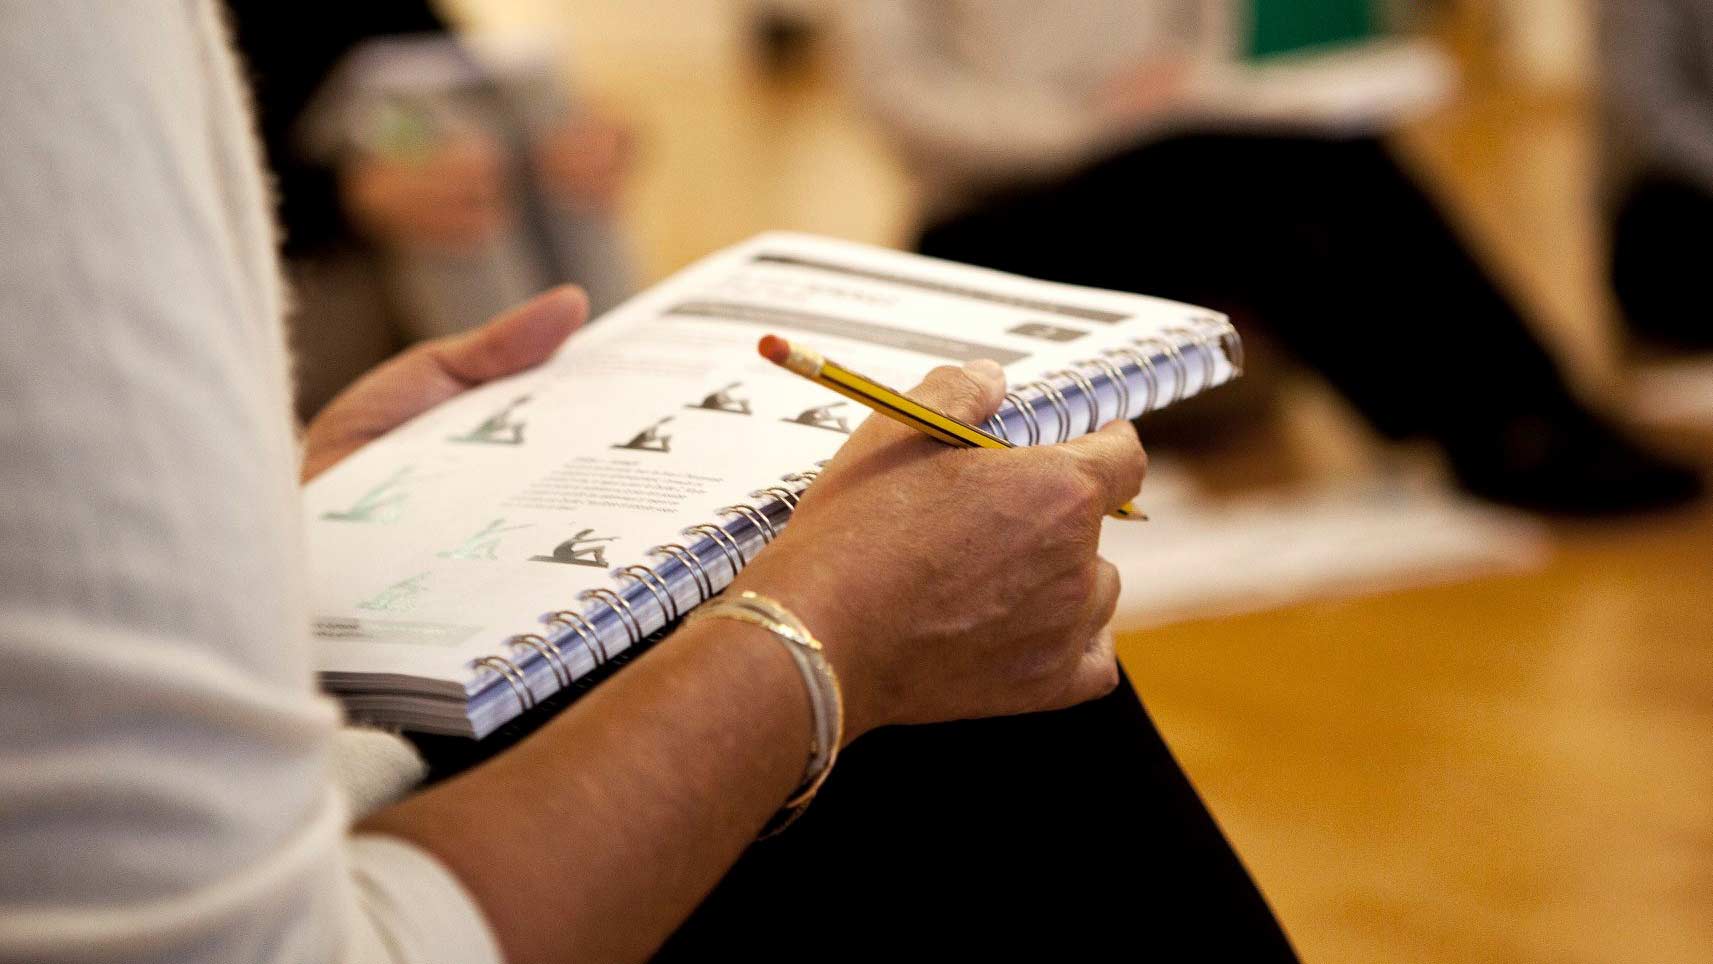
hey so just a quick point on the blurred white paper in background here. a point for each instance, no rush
(1678, 392)
(1201, 557)
(1366, 88)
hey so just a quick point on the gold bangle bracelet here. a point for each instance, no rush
(826, 700)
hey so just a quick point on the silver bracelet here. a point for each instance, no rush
(826, 700)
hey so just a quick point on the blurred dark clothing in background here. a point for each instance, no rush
(1162, 147)
(1331, 246)
(1658, 88)
(1662, 245)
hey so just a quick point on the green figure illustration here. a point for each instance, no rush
(724, 401)
(650, 439)
(822, 416)
(398, 597)
(484, 544)
(383, 503)
(499, 428)
(582, 549)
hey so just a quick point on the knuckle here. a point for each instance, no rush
(1033, 669)
(1082, 583)
(1107, 679)
(1107, 574)
(1068, 482)
(1063, 503)
(1084, 492)
(941, 376)
(1037, 475)
(1135, 470)
(960, 391)
(429, 352)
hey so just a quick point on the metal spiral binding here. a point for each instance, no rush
(513, 677)
(585, 631)
(1118, 381)
(756, 518)
(549, 652)
(1027, 410)
(616, 602)
(1175, 358)
(996, 427)
(1209, 368)
(1144, 367)
(686, 558)
(1061, 408)
(655, 585)
(728, 546)
(1229, 340)
(779, 493)
(1202, 337)
(1091, 400)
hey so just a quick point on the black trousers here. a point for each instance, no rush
(1329, 245)
(1073, 831)
(1662, 244)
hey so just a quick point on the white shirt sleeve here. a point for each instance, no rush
(165, 792)
(950, 119)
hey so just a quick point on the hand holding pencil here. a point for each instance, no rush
(897, 554)
(893, 404)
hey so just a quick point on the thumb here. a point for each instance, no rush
(970, 393)
(521, 338)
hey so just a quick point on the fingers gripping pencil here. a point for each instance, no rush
(893, 404)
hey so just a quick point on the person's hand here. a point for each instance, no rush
(453, 198)
(1142, 92)
(955, 583)
(432, 372)
(585, 161)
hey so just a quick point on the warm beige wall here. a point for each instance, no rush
(724, 153)
(1543, 44)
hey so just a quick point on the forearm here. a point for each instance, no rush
(596, 837)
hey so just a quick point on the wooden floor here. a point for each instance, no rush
(1512, 769)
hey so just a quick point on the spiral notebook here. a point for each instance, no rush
(502, 550)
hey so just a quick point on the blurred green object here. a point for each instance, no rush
(403, 130)
(1286, 26)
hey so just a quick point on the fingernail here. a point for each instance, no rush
(986, 367)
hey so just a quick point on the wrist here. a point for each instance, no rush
(825, 614)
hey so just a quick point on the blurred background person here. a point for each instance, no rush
(1658, 86)
(1230, 153)
(425, 181)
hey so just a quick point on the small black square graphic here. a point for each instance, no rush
(1046, 332)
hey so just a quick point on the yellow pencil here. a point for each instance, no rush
(893, 404)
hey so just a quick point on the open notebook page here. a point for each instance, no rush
(434, 545)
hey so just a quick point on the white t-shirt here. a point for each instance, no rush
(165, 788)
